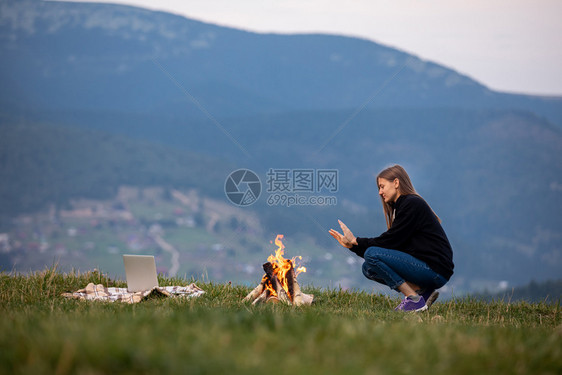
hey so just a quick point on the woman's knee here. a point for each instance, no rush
(439, 281)
(373, 254)
(365, 269)
(372, 272)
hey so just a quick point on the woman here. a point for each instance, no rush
(414, 255)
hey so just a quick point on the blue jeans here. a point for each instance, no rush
(393, 268)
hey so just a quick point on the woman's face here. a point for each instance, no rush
(388, 190)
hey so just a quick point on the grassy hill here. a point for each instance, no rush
(343, 332)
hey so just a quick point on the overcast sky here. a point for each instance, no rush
(508, 45)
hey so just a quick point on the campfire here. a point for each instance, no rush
(279, 284)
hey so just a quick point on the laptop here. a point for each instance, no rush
(141, 272)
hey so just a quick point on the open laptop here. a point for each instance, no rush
(140, 271)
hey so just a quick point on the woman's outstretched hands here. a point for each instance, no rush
(347, 239)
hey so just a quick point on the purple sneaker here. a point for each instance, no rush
(408, 304)
(429, 295)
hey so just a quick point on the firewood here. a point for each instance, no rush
(283, 297)
(307, 299)
(270, 275)
(294, 295)
(272, 299)
(262, 297)
(298, 296)
(301, 298)
(268, 268)
(290, 281)
(256, 292)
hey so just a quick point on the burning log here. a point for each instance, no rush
(270, 275)
(270, 289)
(280, 293)
(279, 284)
(291, 280)
(297, 294)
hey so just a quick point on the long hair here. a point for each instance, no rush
(405, 187)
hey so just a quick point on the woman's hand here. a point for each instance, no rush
(347, 239)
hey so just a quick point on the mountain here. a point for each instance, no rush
(65, 56)
(147, 98)
(43, 164)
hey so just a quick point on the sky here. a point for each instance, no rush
(507, 45)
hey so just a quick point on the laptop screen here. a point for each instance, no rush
(141, 272)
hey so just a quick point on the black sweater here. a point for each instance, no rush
(415, 231)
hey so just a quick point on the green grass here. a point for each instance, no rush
(343, 332)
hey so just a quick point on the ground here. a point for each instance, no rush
(342, 332)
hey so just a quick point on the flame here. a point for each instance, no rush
(281, 266)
